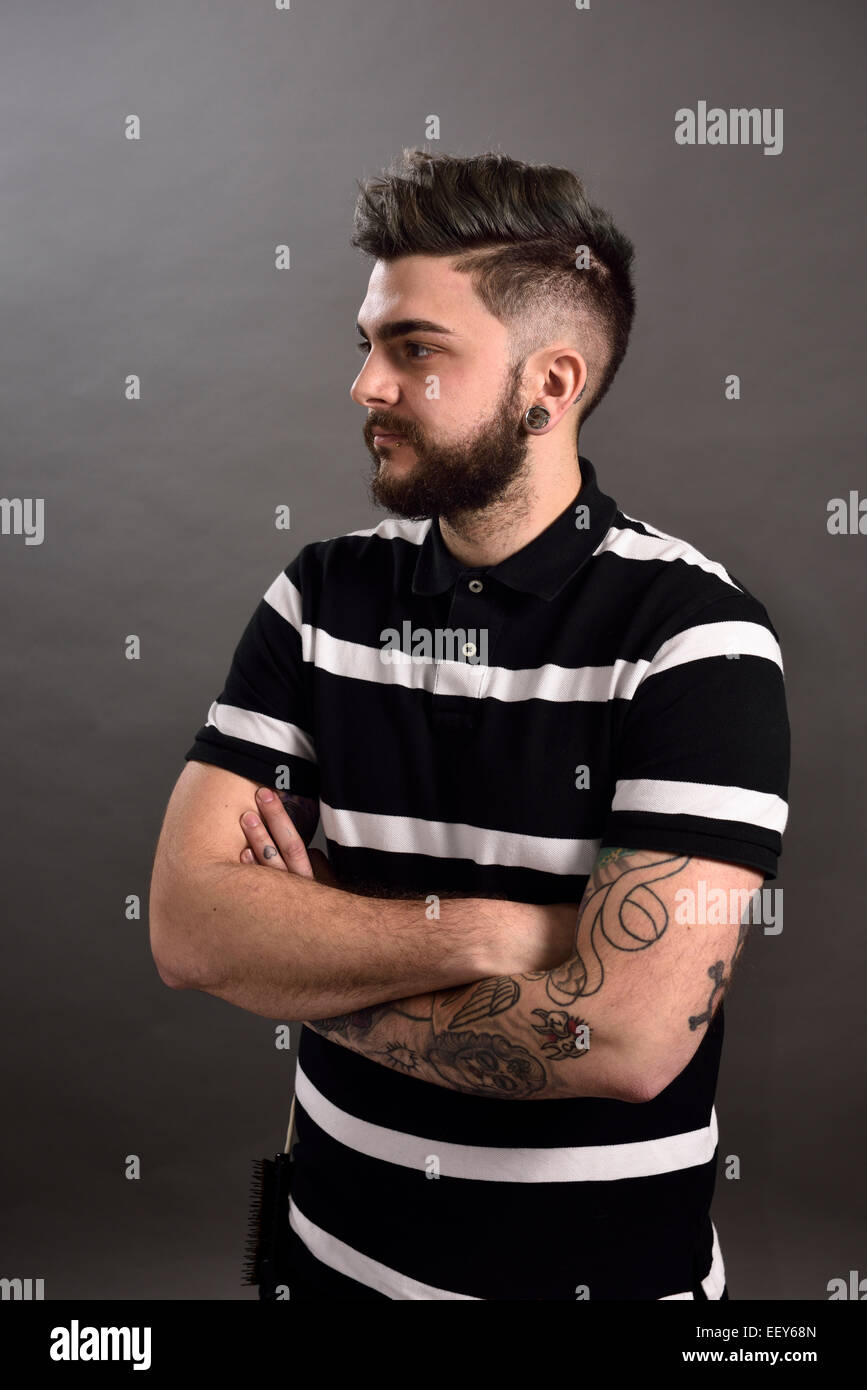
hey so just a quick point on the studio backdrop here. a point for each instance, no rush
(179, 303)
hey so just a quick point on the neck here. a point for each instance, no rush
(481, 538)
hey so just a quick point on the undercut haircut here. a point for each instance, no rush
(517, 230)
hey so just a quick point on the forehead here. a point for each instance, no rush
(422, 287)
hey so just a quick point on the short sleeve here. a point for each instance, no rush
(702, 762)
(261, 719)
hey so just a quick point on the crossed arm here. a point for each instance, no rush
(619, 1019)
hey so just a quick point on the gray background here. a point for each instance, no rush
(156, 257)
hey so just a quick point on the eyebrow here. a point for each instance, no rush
(398, 327)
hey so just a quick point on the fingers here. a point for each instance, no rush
(261, 848)
(272, 837)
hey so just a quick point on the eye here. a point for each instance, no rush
(364, 347)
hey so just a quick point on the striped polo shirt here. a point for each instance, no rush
(485, 731)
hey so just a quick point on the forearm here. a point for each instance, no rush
(289, 947)
(500, 1037)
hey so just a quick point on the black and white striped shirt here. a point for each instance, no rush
(603, 644)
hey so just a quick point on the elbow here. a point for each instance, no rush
(642, 1089)
(169, 978)
(172, 972)
(640, 1082)
(658, 1071)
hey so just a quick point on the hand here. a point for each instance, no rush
(275, 842)
(562, 922)
(546, 935)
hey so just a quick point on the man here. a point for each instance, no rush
(550, 749)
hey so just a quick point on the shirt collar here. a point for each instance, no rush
(545, 564)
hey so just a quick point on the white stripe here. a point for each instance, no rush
(714, 1281)
(337, 1255)
(589, 1163)
(557, 684)
(729, 639)
(262, 729)
(285, 598)
(658, 545)
(665, 797)
(457, 840)
(397, 528)
(560, 684)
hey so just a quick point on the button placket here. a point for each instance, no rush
(467, 612)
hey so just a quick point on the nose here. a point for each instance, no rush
(372, 388)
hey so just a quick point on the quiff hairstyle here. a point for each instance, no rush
(516, 229)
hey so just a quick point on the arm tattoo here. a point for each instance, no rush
(619, 913)
(716, 972)
(624, 913)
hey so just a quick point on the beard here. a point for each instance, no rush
(449, 480)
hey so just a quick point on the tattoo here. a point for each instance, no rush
(608, 855)
(397, 1056)
(478, 1064)
(269, 851)
(717, 973)
(560, 1033)
(362, 1019)
(486, 1064)
(619, 913)
(424, 1016)
(625, 913)
(489, 997)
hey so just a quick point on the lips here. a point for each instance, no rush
(383, 436)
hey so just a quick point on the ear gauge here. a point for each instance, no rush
(536, 417)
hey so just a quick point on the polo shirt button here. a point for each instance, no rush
(476, 585)
(469, 649)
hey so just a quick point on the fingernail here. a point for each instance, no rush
(249, 819)
(264, 794)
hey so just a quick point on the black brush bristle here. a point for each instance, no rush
(268, 1222)
(262, 1184)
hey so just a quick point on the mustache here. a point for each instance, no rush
(385, 427)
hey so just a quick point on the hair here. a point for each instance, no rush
(516, 229)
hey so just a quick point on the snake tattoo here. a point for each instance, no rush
(627, 914)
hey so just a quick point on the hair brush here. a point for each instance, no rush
(267, 1246)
